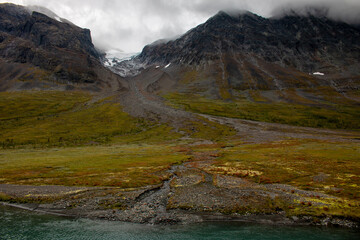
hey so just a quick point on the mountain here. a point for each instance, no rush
(198, 130)
(245, 51)
(275, 40)
(35, 47)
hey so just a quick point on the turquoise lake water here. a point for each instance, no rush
(20, 224)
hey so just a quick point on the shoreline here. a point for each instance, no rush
(189, 195)
(191, 217)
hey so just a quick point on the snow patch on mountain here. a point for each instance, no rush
(113, 57)
(123, 63)
(319, 73)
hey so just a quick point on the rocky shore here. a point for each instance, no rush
(189, 195)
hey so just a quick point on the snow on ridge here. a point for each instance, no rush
(119, 55)
(167, 65)
(58, 19)
(122, 63)
(127, 68)
(113, 57)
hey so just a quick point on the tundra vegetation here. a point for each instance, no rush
(66, 138)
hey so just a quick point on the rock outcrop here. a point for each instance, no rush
(58, 50)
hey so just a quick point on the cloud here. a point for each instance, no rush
(345, 10)
(129, 25)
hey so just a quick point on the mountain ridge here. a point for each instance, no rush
(241, 24)
(39, 50)
(231, 52)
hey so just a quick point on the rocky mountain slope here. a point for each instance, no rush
(292, 41)
(34, 46)
(244, 51)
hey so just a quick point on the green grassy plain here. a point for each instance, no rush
(50, 118)
(340, 115)
(125, 166)
(50, 137)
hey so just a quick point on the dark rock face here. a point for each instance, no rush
(252, 47)
(63, 49)
(303, 38)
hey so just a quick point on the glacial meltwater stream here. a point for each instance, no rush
(20, 224)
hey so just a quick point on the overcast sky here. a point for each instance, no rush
(130, 24)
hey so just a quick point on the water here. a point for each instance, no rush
(19, 224)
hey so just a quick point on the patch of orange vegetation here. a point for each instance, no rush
(234, 171)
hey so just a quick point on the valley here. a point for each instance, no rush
(115, 158)
(196, 134)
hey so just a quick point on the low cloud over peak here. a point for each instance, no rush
(346, 11)
(129, 25)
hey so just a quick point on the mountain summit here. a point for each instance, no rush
(36, 47)
(292, 40)
(252, 52)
